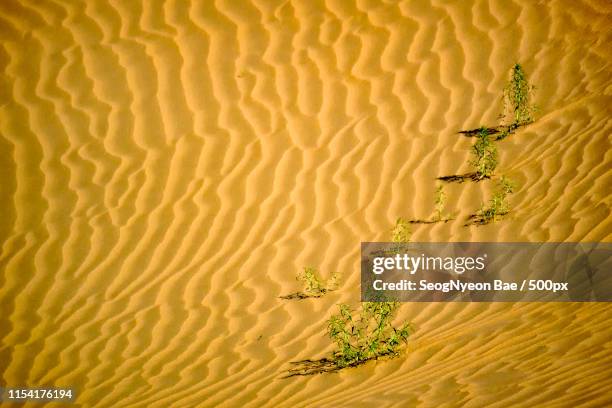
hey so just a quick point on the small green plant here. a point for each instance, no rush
(440, 203)
(314, 285)
(333, 282)
(518, 93)
(401, 231)
(484, 155)
(367, 334)
(360, 335)
(497, 204)
(399, 234)
(505, 132)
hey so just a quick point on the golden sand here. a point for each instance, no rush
(167, 170)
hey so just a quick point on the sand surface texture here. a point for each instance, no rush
(168, 169)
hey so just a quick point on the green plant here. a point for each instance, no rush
(401, 231)
(314, 286)
(311, 280)
(517, 99)
(503, 134)
(399, 234)
(484, 155)
(333, 282)
(440, 202)
(359, 335)
(367, 334)
(497, 204)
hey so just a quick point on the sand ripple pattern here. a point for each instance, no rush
(166, 171)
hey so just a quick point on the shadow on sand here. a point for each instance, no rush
(501, 131)
(326, 365)
(474, 132)
(478, 220)
(304, 295)
(460, 178)
(445, 220)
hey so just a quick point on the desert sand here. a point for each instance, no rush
(167, 170)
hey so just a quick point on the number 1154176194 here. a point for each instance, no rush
(22, 394)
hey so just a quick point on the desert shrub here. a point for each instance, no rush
(367, 334)
(497, 204)
(401, 231)
(360, 335)
(311, 280)
(400, 234)
(440, 203)
(484, 155)
(333, 282)
(518, 93)
(314, 285)
(504, 133)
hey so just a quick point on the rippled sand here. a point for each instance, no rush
(166, 172)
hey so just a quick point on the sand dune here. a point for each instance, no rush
(168, 169)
